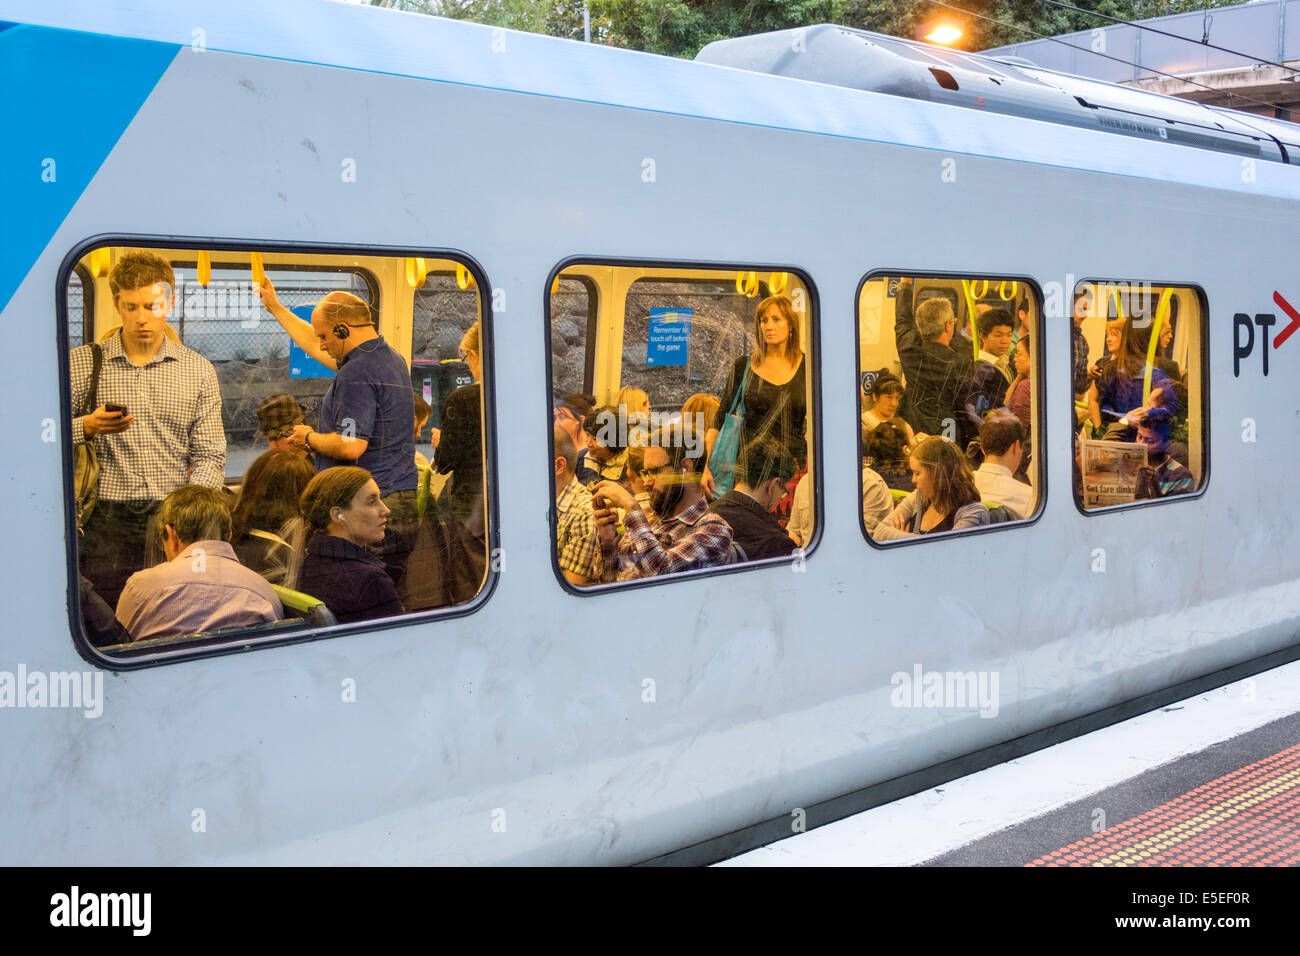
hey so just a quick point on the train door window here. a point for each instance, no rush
(254, 424)
(573, 331)
(690, 448)
(1138, 365)
(950, 386)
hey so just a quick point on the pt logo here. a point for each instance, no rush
(1243, 345)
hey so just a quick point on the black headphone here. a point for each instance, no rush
(342, 331)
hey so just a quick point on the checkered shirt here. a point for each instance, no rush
(696, 538)
(177, 437)
(576, 530)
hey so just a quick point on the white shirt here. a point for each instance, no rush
(801, 514)
(995, 484)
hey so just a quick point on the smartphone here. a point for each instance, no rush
(110, 407)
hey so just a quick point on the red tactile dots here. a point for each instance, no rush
(1250, 817)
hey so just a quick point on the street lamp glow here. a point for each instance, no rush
(945, 34)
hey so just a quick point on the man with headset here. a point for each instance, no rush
(365, 417)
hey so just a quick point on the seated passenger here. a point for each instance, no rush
(762, 469)
(987, 387)
(700, 410)
(422, 413)
(1018, 397)
(945, 499)
(877, 501)
(575, 525)
(268, 499)
(885, 450)
(683, 536)
(800, 524)
(202, 586)
(634, 406)
(608, 443)
(1162, 475)
(344, 514)
(101, 626)
(1121, 395)
(1002, 438)
(277, 417)
(886, 392)
(631, 479)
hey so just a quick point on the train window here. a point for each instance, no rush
(950, 383)
(1138, 366)
(254, 420)
(690, 446)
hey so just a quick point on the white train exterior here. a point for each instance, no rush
(523, 732)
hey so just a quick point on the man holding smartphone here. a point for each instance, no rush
(156, 423)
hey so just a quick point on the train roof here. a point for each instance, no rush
(393, 42)
(861, 60)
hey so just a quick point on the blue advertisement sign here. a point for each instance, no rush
(669, 339)
(302, 365)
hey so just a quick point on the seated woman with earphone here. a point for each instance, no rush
(344, 515)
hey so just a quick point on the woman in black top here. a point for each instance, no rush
(344, 514)
(462, 539)
(775, 382)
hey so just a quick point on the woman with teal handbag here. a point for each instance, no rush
(766, 395)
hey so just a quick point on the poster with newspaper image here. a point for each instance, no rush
(1110, 471)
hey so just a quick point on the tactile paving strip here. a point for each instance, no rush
(1250, 817)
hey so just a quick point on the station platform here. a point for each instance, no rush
(1213, 780)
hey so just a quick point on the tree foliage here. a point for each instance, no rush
(683, 27)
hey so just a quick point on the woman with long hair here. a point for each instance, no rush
(945, 498)
(268, 499)
(1120, 395)
(342, 516)
(775, 379)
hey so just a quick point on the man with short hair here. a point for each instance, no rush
(575, 524)
(683, 536)
(929, 365)
(766, 467)
(576, 415)
(1162, 475)
(164, 429)
(202, 586)
(1002, 438)
(366, 416)
(277, 417)
(988, 384)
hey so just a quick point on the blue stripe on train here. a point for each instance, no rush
(68, 97)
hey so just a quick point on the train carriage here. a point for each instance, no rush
(577, 201)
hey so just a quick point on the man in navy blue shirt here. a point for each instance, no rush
(365, 417)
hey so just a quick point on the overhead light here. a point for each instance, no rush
(944, 34)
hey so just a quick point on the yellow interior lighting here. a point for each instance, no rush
(205, 268)
(1162, 314)
(255, 258)
(416, 273)
(101, 260)
(555, 286)
(463, 278)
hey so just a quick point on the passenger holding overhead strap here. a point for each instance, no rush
(929, 365)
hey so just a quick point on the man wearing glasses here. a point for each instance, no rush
(683, 536)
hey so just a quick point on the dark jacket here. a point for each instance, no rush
(349, 579)
(985, 391)
(460, 451)
(932, 371)
(755, 530)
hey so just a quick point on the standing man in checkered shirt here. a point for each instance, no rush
(575, 539)
(683, 536)
(169, 435)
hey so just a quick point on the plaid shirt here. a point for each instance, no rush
(1079, 353)
(576, 530)
(177, 437)
(696, 538)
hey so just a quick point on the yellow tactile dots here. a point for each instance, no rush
(1250, 817)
